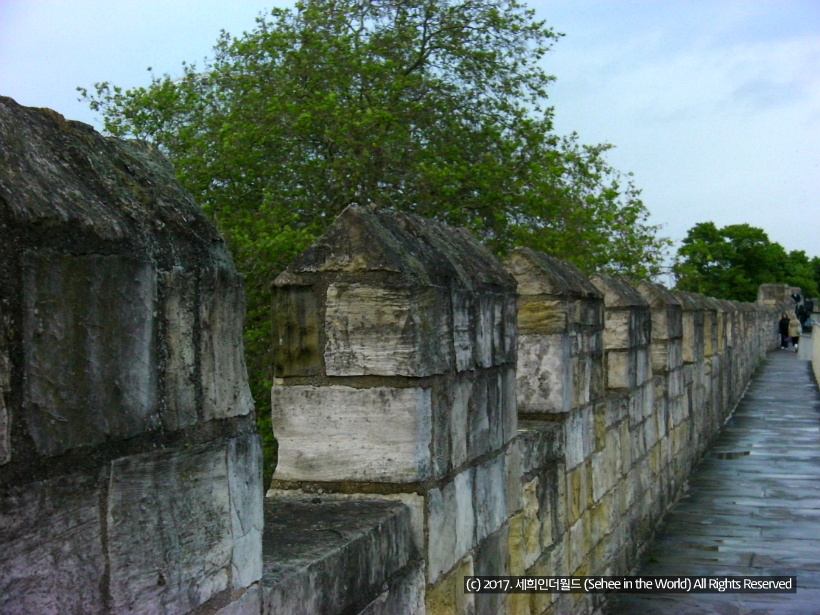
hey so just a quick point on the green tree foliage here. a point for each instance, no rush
(437, 107)
(731, 262)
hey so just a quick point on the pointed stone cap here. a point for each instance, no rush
(617, 293)
(66, 180)
(403, 249)
(657, 295)
(541, 274)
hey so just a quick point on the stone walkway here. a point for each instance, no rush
(753, 506)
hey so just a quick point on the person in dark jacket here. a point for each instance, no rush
(783, 326)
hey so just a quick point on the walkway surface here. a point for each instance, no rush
(753, 505)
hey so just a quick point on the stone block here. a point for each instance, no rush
(580, 436)
(618, 330)
(525, 531)
(52, 558)
(331, 555)
(489, 497)
(620, 369)
(5, 432)
(295, 317)
(246, 491)
(577, 492)
(543, 374)
(179, 312)
(492, 559)
(387, 331)
(339, 433)
(541, 444)
(509, 406)
(169, 529)
(403, 595)
(643, 366)
(88, 335)
(249, 603)
(542, 317)
(5, 387)
(451, 522)
(461, 393)
(447, 597)
(225, 390)
(463, 329)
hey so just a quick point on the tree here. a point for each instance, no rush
(732, 262)
(430, 106)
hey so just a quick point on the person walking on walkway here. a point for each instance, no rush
(794, 331)
(783, 326)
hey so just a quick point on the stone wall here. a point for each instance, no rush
(395, 381)
(130, 473)
(395, 346)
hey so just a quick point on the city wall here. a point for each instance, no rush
(532, 420)
(130, 467)
(440, 414)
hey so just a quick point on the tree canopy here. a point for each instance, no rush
(731, 262)
(436, 107)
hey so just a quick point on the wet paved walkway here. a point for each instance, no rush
(753, 507)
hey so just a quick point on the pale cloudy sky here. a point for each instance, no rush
(714, 105)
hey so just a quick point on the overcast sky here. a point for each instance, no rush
(713, 105)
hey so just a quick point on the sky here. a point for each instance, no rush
(713, 105)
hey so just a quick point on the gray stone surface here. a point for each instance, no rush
(169, 554)
(225, 390)
(88, 334)
(451, 524)
(249, 603)
(404, 595)
(52, 557)
(544, 379)
(386, 331)
(339, 433)
(334, 556)
(246, 492)
(179, 287)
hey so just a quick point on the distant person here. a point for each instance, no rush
(783, 326)
(794, 331)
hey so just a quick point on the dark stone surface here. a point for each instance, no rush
(753, 507)
(330, 556)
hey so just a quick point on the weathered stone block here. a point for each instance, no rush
(620, 369)
(580, 436)
(245, 485)
(88, 335)
(541, 444)
(52, 558)
(225, 390)
(249, 603)
(489, 497)
(447, 597)
(403, 595)
(329, 555)
(5, 387)
(169, 554)
(295, 318)
(618, 332)
(486, 330)
(451, 522)
(463, 324)
(338, 433)
(387, 331)
(179, 311)
(543, 375)
(542, 317)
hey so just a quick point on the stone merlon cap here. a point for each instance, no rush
(408, 249)
(689, 301)
(541, 274)
(63, 176)
(656, 294)
(617, 293)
